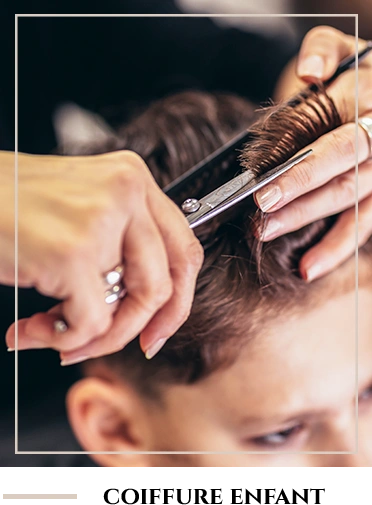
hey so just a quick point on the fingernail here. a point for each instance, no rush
(74, 361)
(313, 272)
(10, 349)
(155, 348)
(267, 197)
(271, 229)
(311, 66)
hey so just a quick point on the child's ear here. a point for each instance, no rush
(107, 417)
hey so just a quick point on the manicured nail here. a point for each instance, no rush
(74, 361)
(10, 349)
(311, 66)
(271, 229)
(268, 196)
(313, 272)
(155, 348)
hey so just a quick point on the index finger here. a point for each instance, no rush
(185, 256)
(334, 154)
(148, 287)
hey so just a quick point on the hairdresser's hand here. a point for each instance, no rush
(78, 218)
(325, 183)
(321, 52)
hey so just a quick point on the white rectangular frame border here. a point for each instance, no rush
(16, 229)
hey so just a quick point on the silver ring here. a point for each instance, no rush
(114, 279)
(60, 326)
(116, 291)
(366, 124)
(114, 276)
(114, 294)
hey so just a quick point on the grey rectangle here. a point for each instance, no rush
(39, 495)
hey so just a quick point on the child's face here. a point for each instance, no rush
(291, 390)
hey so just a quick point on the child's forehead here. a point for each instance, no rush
(291, 355)
(283, 374)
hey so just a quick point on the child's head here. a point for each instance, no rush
(266, 361)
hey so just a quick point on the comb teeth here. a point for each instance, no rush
(288, 128)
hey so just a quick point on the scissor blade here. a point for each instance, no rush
(219, 195)
(251, 187)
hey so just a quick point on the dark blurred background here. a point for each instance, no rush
(298, 25)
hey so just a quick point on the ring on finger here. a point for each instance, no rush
(366, 124)
(114, 279)
(115, 292)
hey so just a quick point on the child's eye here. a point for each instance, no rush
(279, 438)
(366, 394)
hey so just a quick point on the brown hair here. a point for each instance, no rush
(238, 279)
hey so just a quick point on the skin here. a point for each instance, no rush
(298, 375)
(325, 184)
(100, 204)
(64, 256)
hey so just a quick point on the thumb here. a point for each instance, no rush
(321, 52)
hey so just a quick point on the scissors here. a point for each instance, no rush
(200, 211)
(232, 192)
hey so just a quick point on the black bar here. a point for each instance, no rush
(290, 496)
(179, 184)
(349, 63)
(176, 186)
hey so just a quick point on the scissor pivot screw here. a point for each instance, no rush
(190, 205)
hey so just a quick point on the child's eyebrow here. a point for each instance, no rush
(301, 416)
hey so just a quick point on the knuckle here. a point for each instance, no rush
(127, 169)
(102, 325)
(134, 159)
(156, 294)
(343, 142)
(345, 189)
(76, 255)
(125, 179)
(124, 157)
(95, 325)
(130, 172)
(302, 177)
(195, 254)
(44, 282)
(116, 347)
(126, 189)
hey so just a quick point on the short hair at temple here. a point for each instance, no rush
(244, 284)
